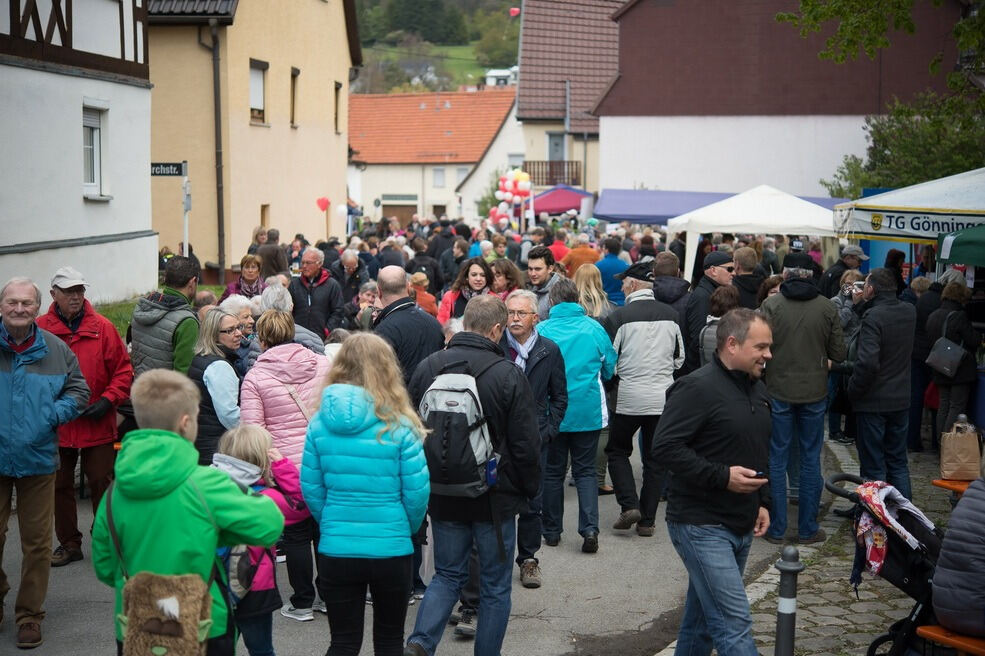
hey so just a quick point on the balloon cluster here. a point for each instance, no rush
(514, 186)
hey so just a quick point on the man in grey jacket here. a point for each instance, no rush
(806, 338)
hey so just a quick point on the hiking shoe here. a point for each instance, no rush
(591, 543)
(530, 573)
(627, 518)
(466, 624)
(62, 556)
(414, 649)
(299, 614)
(772, 539)
(319, 606)
(29, 635)
(819, 536)
(552, 540)
(645, 531)
(841, 438)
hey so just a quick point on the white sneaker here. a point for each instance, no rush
(319, 606)
(299, 614)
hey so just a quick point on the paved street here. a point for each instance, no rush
(624, 600)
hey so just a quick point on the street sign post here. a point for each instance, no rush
(175, 169)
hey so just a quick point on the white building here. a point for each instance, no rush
(505, 152)
(75, 129)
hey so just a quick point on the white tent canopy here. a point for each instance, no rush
(919, 212)
(762, 209)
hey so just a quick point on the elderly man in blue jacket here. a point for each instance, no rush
(41, 387)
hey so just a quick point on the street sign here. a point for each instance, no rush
(168, 168)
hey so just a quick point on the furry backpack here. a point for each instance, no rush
(162, 614)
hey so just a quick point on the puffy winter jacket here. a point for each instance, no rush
(265, 400)
(588, 359)
(959, 579)
(164, 330)
(318, 304)
(366, 485)
(105, 364)
(171, 515)
(40, 389)
(880, 379)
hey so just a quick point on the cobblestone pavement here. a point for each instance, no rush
(830, 619)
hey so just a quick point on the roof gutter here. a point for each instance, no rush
(198, 19)
(220, 207)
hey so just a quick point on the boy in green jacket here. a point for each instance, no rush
(170, 514)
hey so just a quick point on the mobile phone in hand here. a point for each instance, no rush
(760, 474)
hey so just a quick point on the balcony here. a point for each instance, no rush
(553, 172)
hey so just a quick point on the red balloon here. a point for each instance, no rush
(492, 212)
(323, 203)
(514, 12)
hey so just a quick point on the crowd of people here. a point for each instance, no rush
(296, 414)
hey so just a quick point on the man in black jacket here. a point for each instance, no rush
(413, 333)
(880, 384)
(851, 258)
(670, 288)
(350, 272)
(317, 297)
(427, 265)
(458, 522)
(718, 271)
(747, 278)
(540, 360)
(714, 436)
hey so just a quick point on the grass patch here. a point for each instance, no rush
(121, 312)
(461, 63)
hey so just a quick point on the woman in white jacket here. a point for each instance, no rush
(280, 393)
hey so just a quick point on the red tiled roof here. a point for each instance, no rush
(426, 128)
(560, 40)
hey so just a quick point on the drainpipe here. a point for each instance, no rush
(217, 104)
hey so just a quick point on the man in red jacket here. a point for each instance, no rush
(106, 368)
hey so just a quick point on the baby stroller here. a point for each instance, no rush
(895, 541)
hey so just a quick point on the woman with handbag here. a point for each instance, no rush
(951, 322)
(280, 393)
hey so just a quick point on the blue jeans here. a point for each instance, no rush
(258, 634)
(529, 525)
(919, 381)
(582, 446)
(804, 422)
(452, 544)
(881, 446)
(716, 611)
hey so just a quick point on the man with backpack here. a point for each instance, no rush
(164, 517)
(484, 459)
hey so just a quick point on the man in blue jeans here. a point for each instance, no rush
(714, 437)
(880, 382)
(807, 337)
(489, 520)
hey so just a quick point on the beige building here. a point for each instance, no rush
(277, 76)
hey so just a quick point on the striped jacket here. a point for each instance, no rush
(40, 389)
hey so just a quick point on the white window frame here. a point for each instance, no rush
(258, 96)
(515, 160)
(93, 131)
(461, 173)
(438, 177)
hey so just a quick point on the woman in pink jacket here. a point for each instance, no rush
(280, 393)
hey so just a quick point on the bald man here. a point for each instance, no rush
(413, 333)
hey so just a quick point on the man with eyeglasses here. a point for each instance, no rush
(41, 388)
(105, 364)
(318, 302)
(718, 270)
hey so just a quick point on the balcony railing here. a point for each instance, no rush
(550, 173)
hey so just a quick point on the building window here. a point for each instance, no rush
(295, 73)
(338, 105)
(258, 71)
(92, 128)
(438, 178)
(515, 160)
(461, 173)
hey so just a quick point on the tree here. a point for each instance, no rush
(488, 199)
(863, 25)
(932, 137)
(497, 46)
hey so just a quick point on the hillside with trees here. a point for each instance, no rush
(433, 45)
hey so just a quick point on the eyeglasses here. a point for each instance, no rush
(519, 313)
(230, 331)
(730, 269)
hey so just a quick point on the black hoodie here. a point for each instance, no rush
(672, 291)
(748, 286)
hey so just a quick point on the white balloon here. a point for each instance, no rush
(524, 185)
(517, 200)
(502, 207)
(498, 195)
(508, 196)
(511, 175)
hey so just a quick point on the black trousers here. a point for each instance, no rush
(620, 447)
(297, 543)
(342, 583)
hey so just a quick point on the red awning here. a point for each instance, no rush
(558, 199)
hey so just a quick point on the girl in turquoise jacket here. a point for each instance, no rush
(365, 479)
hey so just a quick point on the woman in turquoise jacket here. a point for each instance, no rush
(588, 360)
(365, 479)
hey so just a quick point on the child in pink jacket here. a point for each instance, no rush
(247, 454)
